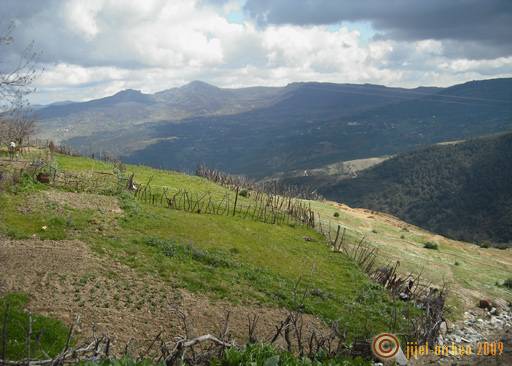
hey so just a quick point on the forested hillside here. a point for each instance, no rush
(461, 190)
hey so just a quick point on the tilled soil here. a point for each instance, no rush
(65, 279)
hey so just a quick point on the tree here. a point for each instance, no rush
(16, 79)
(17, 124)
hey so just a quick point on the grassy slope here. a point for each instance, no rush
(471, 272)
(231, 258)
(48, 335)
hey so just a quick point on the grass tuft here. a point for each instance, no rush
(430, 245)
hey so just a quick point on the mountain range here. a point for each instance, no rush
(261, 131)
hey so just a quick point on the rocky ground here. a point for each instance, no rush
(481, 331)
(486, 331)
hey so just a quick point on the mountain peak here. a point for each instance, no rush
(130, 95)
(128, 92)
(198, 85)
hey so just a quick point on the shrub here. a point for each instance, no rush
(128, 204)
(430, 245)
(336, 214)
(402, 236)
(484, 245)
(508, 283)
(244, 193)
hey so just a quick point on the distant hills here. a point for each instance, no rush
(262, 131)
(461, 190)
(130, 107)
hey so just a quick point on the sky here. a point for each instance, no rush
(94, 48)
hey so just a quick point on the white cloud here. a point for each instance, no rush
(503, 64)
(80, 17)
(94, 48)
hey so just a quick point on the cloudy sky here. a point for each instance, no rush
(95, 48)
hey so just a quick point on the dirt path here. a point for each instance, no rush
(65, 279)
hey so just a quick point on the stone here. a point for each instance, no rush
(443, 328)
(485, 304)
(501, 305)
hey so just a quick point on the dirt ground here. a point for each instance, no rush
(65, 279)
(83, 201)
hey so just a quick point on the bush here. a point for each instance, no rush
(336, 214)
(244, 193)
(508, 283)
(430, 245)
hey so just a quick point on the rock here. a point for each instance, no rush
(449, 326)
(403, 296)
(443, 328)
(485, 304)
(501, 305)
(493, 311)
(400, 358)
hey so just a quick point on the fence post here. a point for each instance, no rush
(236, 200)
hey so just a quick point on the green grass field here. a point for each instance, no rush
(230, 258)
(471, 272)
